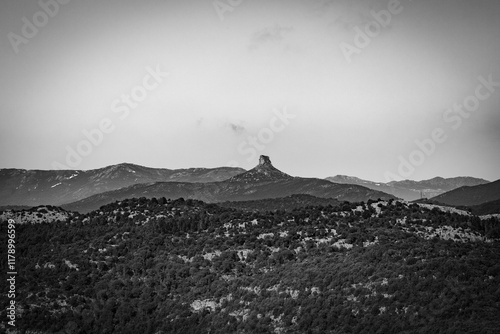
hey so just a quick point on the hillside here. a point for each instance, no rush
(439, 183)
(288, 203)
(487, 208)
(470, 196)
(263, 181)
(36, 215)
(161, 266)
(410, 190)
(56, 187)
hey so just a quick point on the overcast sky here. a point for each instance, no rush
(233, 68)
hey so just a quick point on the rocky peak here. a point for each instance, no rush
(264, 171)
(265, 161)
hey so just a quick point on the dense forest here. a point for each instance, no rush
(184, 266)
(283, 203)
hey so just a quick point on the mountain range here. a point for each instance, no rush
(264, 252)
(85, 191)
(410, 190)
(263, 181)
(56, 187)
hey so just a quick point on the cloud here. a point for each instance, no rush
(238, 129)
(319, 7)
(269, 36)
(345, 15)
(199, 122)
(216, 123)
(343, 23)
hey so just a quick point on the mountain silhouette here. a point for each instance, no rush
(262, 182)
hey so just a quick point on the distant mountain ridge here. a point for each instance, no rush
(471, 196)
(263, 181)
(487, 208)
(56, 187)
(440, 183)
(411, 190)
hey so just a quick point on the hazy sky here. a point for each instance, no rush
(233, 66)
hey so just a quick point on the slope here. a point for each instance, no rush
(470, 196)
(56, 187)
(410, 190)
(263, 181)
(158, 266)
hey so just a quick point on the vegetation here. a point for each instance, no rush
(184, 266)
(492, 207)
(284, 203)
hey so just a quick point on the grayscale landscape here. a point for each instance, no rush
(236, 166)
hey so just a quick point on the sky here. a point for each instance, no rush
(375, 89)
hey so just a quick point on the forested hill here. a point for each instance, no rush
(161, 266)
(282, 203)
